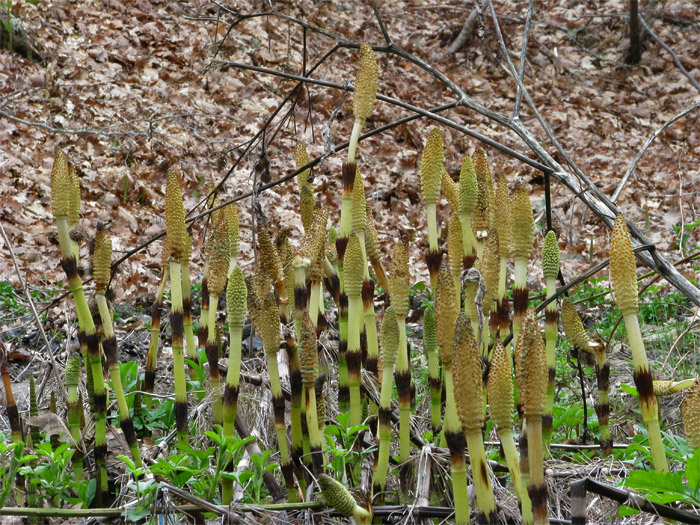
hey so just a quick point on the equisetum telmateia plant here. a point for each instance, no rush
(470, 374)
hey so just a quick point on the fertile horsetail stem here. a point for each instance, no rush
(576, 333)
(365, 95)
(399, 286)
(175, 228)
(550, 269)
(236, 294)
(265, 316)
(430, 346)
(523, 241)
(455, 251)
(446, 312)
(218, 258)
(430, 182)
(74, 411)
(308, 359)
(102, 261)
(490, 272)
(533, 373)
(359, 226)
(187, 302)
(338, 497)
(501, 401)
(451, 191)
(504, 226)
(270, 260)
(234, 236)
(483, 218)
(468, 193)
(623, 277)
(353, 287)
(389, 354)
(469, 398)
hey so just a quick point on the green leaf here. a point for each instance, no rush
(692, 471)
(629, 389)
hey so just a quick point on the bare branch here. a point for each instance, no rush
(523, 57)
(638, 156)
(396, 102)
(676, 60)
(54, 366)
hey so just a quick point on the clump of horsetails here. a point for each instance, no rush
(285, 300)
(623, 277)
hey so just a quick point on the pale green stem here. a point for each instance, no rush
(650, 407)
(355, 321)
(459, 467)
(482, 484)
(404, 407)
(178, 350)
(354, 138)
(214, 382)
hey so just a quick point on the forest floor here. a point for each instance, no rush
(128, 90)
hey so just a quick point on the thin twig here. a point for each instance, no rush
(652, 138)
(260, 132)
(396, 102)
(382, 27)
(282, 179)
(676, 60)
(523, 58)
(59, 381)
